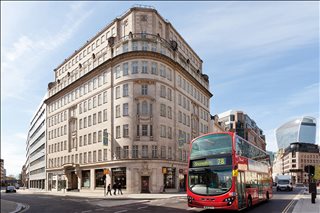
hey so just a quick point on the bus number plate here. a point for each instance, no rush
(208, 207)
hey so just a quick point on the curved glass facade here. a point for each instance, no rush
(301, 130)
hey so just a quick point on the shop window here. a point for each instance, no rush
(99, 178)
(169, 177)
(85, 179)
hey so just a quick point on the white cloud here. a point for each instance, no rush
(20, 60)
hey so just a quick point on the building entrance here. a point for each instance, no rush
(145, 184)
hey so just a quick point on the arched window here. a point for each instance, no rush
(144, 108)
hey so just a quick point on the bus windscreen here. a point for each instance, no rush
(211, 145)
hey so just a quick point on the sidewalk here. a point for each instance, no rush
(304, 203)
(100, 194)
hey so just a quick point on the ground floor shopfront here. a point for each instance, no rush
(37, 184)
(138, 176)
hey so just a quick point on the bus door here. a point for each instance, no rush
(260, 186)
(241, 190)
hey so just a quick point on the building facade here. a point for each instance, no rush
(298, 155)
(35, 166)
(301, 130)
(217, 126)
(3, 173)
(126, 104)
(244, 126)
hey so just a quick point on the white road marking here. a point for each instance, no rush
(86, 211)
(143, 207)
(98, 209)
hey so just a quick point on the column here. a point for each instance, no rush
(92, 179)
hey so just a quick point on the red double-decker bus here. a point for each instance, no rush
(227, 172)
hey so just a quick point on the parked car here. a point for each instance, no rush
(10, 189)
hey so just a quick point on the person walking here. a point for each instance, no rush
(119, 188)
(114, 187)
(109, 189)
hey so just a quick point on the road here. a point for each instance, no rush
(37, 203)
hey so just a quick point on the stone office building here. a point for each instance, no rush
(127, 104)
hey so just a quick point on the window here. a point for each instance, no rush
(89, 120)
(125, 68)
(99, 99)
(125, 152)
(125, 90)
(144, 151)
(125, 110)
(135, 151)
(145, 46)
(154, 151)
(144, 108)
(100, 136)
(94, 119)
(162, 91)
(126, 130)
(169, 112)
(105, 97)
(105, 152)
(118, 152)
(117, 92)
(170, 132)
(117, 72)
(144, 89)
(134, 46)
(117, 131)
(85, 122)
(105, 118)
(99, 155)
(169, 94)
(162, 131)
(163, 110)
(138, 131)
(125, 47)
(134, 67)
(144, 67)
(162, 71)
(169, 152)
(94, 137)
(144, 130)
(163, 152)
(154, 68)
(117, 111)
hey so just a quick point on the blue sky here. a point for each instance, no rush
(261, 57)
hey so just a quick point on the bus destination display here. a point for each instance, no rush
(209, 162)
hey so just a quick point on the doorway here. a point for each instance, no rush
(241, 190)
(145, 184)
(74, 181)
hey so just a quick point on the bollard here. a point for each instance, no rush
(313, 197)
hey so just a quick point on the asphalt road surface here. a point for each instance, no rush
(37, 203)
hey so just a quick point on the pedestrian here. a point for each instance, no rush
(114, 187)
(109, 189)
(119, 188)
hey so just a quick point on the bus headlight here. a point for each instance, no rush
(190, 199)
(229, 200)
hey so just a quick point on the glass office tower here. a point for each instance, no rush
(301, 130)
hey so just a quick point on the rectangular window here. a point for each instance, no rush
(151, 130)
(105, 117)
(169, 152)
(134, 46)
(105, 97)
(117, 111)
(118, 152)
(99, 155)
(94, 137)
(163, 110)
(117, 131)
(154, 151)
(138, 130)
(169, 94)
(125, 47)
(125, 152)
(125, 110)
(170, 132)
(117, 92)
(135, 151)
(162, 71)
(144, 67)
(125, 90)
(94, 119)
(154, 68)
(94, 156)
(100, 136)
(117, 72)
(169, 112)
(145, 151)
(125, 68)
(89, 139)
(126, 130)
(99, 99)
(144, 130)
(85, 140)
(162, 131)
(163, 152)
(105, 157)
(99, 117)
(134, 67)
(144, 89)
(162, 91)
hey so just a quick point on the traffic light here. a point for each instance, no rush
(309, 169)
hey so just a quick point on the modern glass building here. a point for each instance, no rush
(301, 130)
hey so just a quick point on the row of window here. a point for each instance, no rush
(93, 119)
(82, 158)
(144, 67)
(93, 102)
(57, 132)
(193, 91)
(86, 51)
(78, 92)
(89, 139)
(57, 118)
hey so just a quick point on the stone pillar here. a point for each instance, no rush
(129, 180)
(79, 174)
(92, 179)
